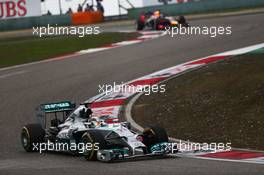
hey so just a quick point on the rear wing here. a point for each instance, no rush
(59, 111)
(57, 107)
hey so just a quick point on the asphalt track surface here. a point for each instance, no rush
(77, 79)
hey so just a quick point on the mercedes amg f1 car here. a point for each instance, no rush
(104, 138)
(159, 22)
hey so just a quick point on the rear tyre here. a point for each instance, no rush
(140, 25)
(91, 138)
(154, 135)
(32, 134)
(182, 21)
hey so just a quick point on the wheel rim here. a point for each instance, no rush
(88, 154)
(25, 139)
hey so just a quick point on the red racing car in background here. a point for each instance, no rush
(157, 21)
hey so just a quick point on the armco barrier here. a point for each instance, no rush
(60, 20)
(201, 6)
(29, 22)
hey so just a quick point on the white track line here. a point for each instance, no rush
(242, 50)
(12, 74)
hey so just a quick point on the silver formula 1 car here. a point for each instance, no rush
(104, 138)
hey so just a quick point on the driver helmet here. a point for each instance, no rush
(156, 13)
(85, 113)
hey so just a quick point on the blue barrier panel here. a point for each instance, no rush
(29, 22)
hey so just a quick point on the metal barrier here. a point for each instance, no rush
(59, 20)
(193, 7)
(29, 22)
(202, 6)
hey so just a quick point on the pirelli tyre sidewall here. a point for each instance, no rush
(93, 137)
(153, 135)
(32, 134)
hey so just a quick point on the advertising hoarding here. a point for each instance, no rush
(19, 8)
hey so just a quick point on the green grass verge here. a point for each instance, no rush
(221, 102)
(21, 50)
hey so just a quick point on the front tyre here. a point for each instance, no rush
(95, 141)
(153, 135)
(32, 135)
